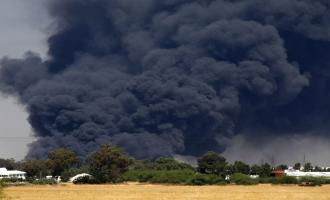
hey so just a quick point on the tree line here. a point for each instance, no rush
(109, 165)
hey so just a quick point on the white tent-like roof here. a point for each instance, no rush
(79, 176)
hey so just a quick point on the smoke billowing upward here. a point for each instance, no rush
(168, 77)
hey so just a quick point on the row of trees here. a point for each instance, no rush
(213, 163)
(105, 164)
(109, 164)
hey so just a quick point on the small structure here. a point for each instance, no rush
(4, 173)
(254, 176)
(278, 173)
(56, 178)
(76, 177)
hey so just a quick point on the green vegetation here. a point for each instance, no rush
(242, 179)
(212, 163)
(109, 165)
(286, 180)
(43, 181)
(158, 176)
(68, 173)
(185, 177)
(313, 181)
(60, 160)
(35, 168)
(86, 180)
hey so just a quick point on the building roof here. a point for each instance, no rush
(4, 171)
(298, 173)
(79, 176)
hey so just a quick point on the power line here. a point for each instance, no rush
(15, 138)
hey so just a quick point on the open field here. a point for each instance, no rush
(157, 192)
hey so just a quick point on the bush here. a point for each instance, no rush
(138, 175)
(44, 182)
(11, 180)
(203, 179)
(313, 181)
(287, 180)
(158, 176)
(86, 180)
(67, 174)
(268, 180)
(172, 177)
(242, 179)
(303, 181)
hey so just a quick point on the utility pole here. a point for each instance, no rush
(273, 161)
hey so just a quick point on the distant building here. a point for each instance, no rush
(298, 173)
(4, 173)
(278, 173)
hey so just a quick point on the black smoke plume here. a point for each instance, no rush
(164, 77)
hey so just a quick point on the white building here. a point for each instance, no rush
(4, 173)
(298, 173)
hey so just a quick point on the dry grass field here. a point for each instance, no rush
(157, 192)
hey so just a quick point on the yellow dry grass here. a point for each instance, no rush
(158, 192)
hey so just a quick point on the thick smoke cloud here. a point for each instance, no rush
(174, 76)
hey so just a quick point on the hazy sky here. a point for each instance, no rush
(23, 27)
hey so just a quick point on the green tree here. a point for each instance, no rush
(256, 170)
(318, 169)
(60, 160)
(282, 167)
(308, 167)
(10, 164)
(265, 170)
(212, 163)
(107, 164)
(229, 169)
(35, 168)
(297, 166)
(241, 167)
(164, 163)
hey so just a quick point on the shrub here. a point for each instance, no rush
(67, 174)
(204, 179)
(44, 182)
(270, 180)
(242, 179)
(172, 177)
(11, 180)
(138, 175)
(86, 180)
(287, 180)
(158, 176)
(313, 181)
(164, 163)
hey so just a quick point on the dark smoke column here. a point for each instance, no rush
(158, 78)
